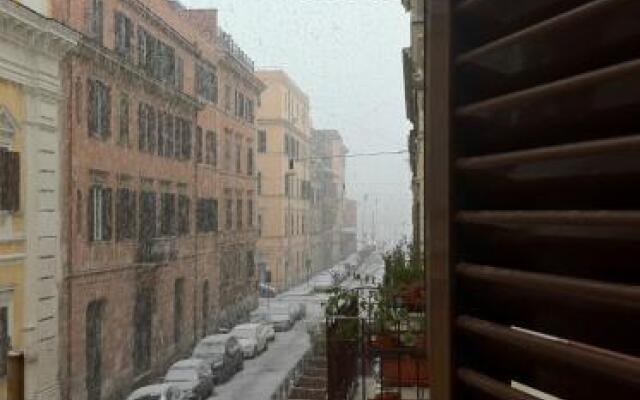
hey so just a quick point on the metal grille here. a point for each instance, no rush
(533, 165)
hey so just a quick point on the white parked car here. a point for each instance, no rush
(252, 338)
(163, 391)
(270, 331)
(281, 321)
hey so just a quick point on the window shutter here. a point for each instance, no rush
(186, 141)
(90, 210)
(107, 125)
(121, 216)
(133, 214)
(99, 15)
(93, 106)
(128, 37)
(142, 48)
(142, 127)
(161, 134)
(151, 129)
(106, 213)
(179, 73)
(12, 194)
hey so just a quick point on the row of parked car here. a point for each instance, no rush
(217, 358)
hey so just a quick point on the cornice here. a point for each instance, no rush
(34, 31)
(248, 77)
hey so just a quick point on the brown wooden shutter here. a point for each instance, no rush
(107, 214)
(533, 208)
(90, 212)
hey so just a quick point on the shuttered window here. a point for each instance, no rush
(99, 109)
(100, 215)
(184, 214)
(124, 34)
(9, 180)
(532, 210)
(126, 214)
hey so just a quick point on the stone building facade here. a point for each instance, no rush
(150, 252)
(414, 81)
(328, 166)
(284, 181)
(32, 49)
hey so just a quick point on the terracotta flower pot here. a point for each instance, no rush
(405, 371)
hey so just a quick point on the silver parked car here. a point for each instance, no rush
(193, 377)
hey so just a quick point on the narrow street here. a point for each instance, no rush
(262, 375)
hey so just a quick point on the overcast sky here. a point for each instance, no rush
(346, 55)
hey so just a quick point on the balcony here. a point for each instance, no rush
(230, 46)
(157, 250)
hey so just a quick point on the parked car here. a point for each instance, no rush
(269, 330)
(163, 391)
(252, 338)
(281, 321)
(267, 291)
(223, 353)
(193, 376)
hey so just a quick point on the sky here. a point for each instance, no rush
(346, 55)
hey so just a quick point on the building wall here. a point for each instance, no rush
(215, 266)
(284, 247)
(414, 94)
(329, 170)
(31, 49)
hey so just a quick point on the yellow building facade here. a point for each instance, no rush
(31, 50)
(284, 250)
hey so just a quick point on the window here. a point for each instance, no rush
(259, 224)
(184, 211)
(99, 109)
(157, 59)
(250, 264)
(212, 148)
(250, 160)
(170, 135)
(9, 180)
(99, 213)
(167, 214)
(240, 105)
(171, 127)
(151, 129)
(199, 144)
(206, 83)
(262, 141)
(162, 135)
(259, 183)
(125, 214)
(227, 98)
(250, 210)
(96, 21)
(238, 158)
(124, 33)
(287, 189)
(229, 213)
(185, 140)
(178, 309)
(239, 212)
(207, 215)
(93, 349)
(142, 127)
(147, 215)
(179, 79)
(5, 339)
(123, 111)
(227, 151)
(142, 325)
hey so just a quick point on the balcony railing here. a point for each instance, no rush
(157, 250)
(230, 46)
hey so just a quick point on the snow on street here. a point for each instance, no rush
(262, 375)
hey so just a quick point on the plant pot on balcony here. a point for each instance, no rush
(405, 371)
(413, 298)
(384, 341)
